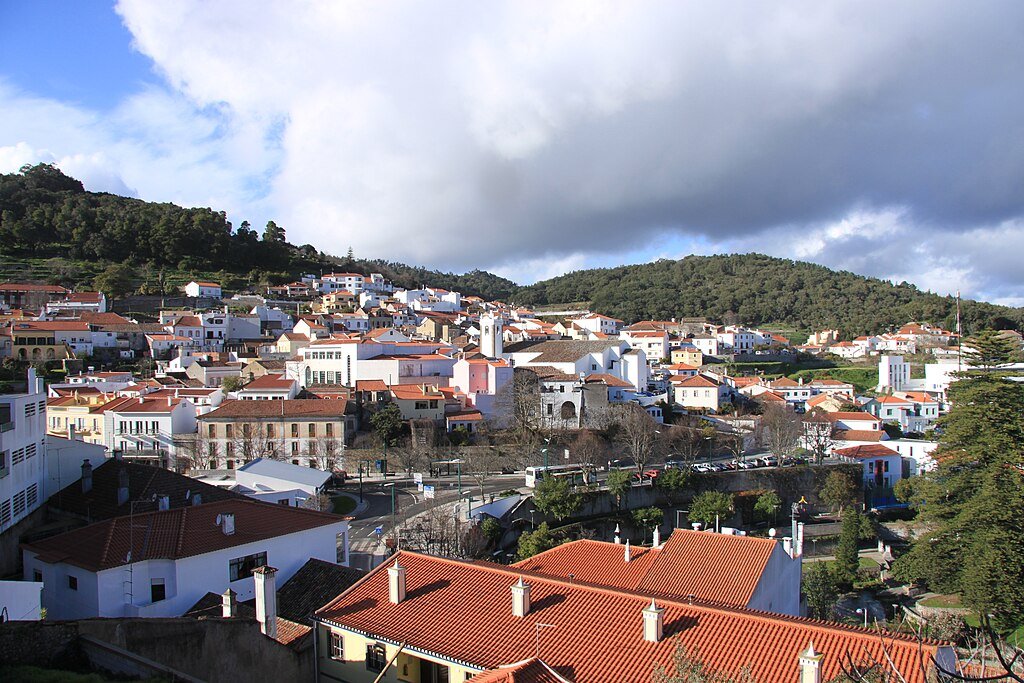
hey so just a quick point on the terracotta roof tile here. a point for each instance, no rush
(875, 450)
(462, 611)
(292, 409)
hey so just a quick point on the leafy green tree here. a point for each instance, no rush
(387, 424)
(767, 505)
(492, 529)
(989, 349)
(847, 558)
(710, 507)
(839, 491)
(231, 384)
(619, 483)
(672, 482)
(537, 541)
(821, 589)
(648, 517)
(273, 233)
(554, 496)
(115, 281)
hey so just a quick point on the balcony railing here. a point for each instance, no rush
(6, 427)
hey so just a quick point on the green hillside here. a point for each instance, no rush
(758, 289)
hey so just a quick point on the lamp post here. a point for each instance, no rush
(864, 611)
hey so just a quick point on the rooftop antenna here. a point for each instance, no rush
(536, 637)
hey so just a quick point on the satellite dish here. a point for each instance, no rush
(771, 533)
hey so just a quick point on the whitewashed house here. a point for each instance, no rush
(283, 483)
(159, 564)
(203, 289)
(22, 449)
(148, 430)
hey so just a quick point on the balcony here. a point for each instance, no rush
(6, 427)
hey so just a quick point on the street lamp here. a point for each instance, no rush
(864, 611)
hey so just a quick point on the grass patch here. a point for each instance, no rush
(867, 563)
(863, 378)
(343, 505)
(942, 601)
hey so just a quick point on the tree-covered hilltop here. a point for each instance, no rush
(47, 215)
(758, 289)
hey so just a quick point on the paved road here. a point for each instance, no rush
(366, 548)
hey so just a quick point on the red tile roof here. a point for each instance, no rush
(531, 670)
(371, 385)
(874, 450)
(860, 435)
(854, 416)
(269, 382)
(29, 287)
(174, 534)
(689, 563)
(304, 408)
(461, 611)
(608, 380)
(694, 381)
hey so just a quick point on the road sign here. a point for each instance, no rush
(378, 530)
(418, 478)
(428, 491)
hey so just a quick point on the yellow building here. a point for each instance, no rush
(418, 401)
(688, 355)
(80, 408)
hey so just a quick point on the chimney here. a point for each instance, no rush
(656, 541)
(654, 622)
(800, 539)
(266, 599)
(228, 604)
(626, 553)
(396, 583)
(163, 502)
(141, 400)
(86, 476)
(618, 539)
(168, 401)
(520, 598)
(226, 521)
(810, 665)
(787, 545)
(122, 486)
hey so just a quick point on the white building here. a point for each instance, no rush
(148, 429)
(491, 335)
(280, 482)
(595, 322)
(203, 289)
(345, 361)
(576, 358)
(22, 452)
(159, 564)
(269, 387)
(654, 343)
(893, 373)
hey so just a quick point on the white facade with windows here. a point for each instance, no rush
(22, 452)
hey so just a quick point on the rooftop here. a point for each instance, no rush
(174, 534)
(268, 467)
(462, 611)
(292, 409)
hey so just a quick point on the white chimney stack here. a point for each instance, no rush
(810, 665)
(654, 622)
(226, 521)
(228, 604)
(656, 541)
(396, 583)
(86, 476)
(800, 539)
(787, 545)
(618, 539)
(520, 598)
(627, 553)
(266, 599)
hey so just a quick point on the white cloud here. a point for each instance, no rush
(531, 137)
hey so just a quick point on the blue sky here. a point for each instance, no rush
(77, 52)
(532, 138)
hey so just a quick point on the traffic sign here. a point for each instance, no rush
(428, 491)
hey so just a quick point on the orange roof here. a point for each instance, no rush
(694, 381)
(853, 416)
(465, 416)
(530, 670)
(29, 287)
(409, 392)
(891, 399)
(51, 326)
(859, 435)
(770, 396)
(208, 284)
(919, 397)
(609, 380)
(371, 385)
(875, 450)
(461, 611)
(648, 334)
(681, 366)
(784, 383)
(741, 382)
(269, 382)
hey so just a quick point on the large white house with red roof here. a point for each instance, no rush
(159, 564)
(147, 429)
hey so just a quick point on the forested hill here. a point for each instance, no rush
(49, 218)
(757, 289)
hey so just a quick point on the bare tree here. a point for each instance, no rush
(409, 456)
(589, 451)
(638, 435)
(518, 403)
(480, 464)
(818, 435)
(780, 430)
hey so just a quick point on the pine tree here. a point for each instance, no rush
(847, 559)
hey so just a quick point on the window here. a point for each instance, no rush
(376, 657)
(330, 429)
(312, 429)
(231, 464)
(3, 463)
(18, 456)
(270, 431)
(73, 583)
(284, 501)
(5, 512)
(212, 431)
(229, 431)
(241, 567)
(421, 405)
(295, 430)
(32, 492)
(157, 590)
(19, 503)
(337, 646)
